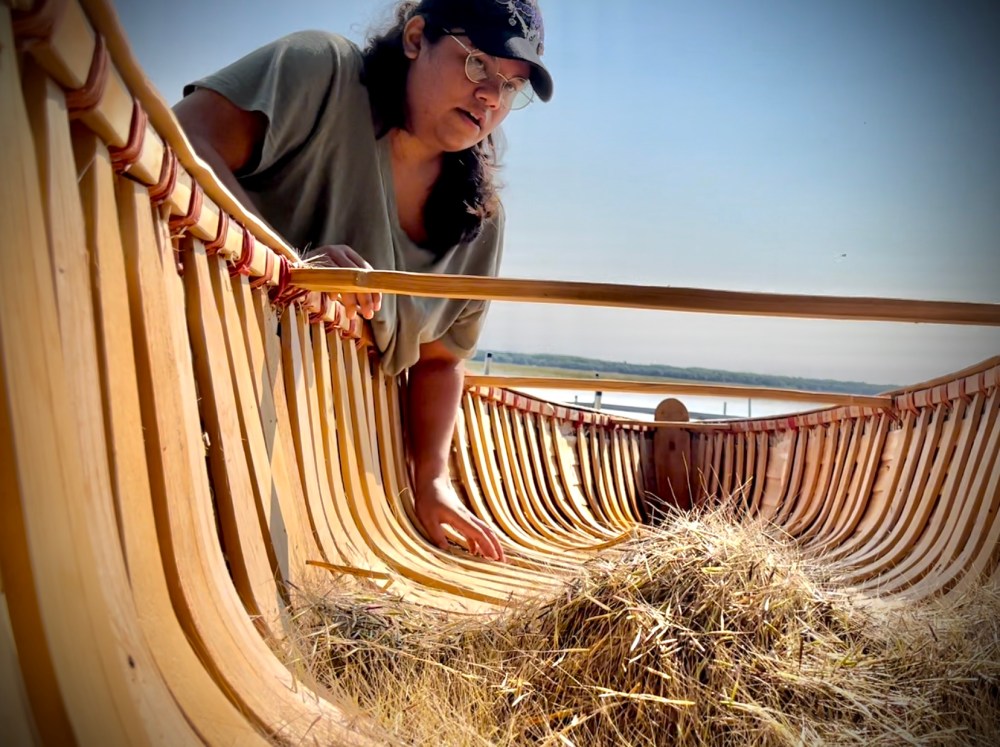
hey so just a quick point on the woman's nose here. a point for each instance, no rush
(489, 93)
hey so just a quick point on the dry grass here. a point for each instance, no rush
(702, 632)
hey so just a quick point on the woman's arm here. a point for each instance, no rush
(228, 138)
(434, 394)
(224, 136)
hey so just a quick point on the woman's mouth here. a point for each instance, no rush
(472, 118)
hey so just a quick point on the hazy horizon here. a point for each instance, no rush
(480, 354)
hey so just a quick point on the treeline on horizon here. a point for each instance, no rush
(705, 375)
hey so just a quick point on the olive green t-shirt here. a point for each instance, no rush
(323, 177)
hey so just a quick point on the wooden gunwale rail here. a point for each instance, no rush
(68, 55)
(656, 387)
(343, 280)
(102, 16)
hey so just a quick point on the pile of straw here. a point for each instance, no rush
(702, 632)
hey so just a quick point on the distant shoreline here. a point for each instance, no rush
(585, 368)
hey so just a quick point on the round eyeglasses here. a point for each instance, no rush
(515, 93)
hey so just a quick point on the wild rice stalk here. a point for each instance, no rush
(705, 631)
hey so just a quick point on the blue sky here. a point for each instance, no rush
(796, 146)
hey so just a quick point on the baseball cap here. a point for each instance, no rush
(503, 28)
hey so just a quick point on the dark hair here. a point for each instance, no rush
(465, 194)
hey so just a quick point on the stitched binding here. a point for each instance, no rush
(122, 159)
(242, 265)
(163, 188)
(221, 233)
(268, 272)
(178, 226)
(89, 95)
(37, 24)
(324, 307)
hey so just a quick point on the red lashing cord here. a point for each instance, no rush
(324, 306)
(180, 224)
(122, 159)
(38, 23)
(85, 98)
(162, 190)
(268, 272)
(242, 265)
(213, 246)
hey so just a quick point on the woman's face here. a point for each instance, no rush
(445, 109)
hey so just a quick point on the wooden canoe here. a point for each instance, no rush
(170, 464)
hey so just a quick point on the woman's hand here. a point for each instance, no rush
(339, 255)
(436, 504)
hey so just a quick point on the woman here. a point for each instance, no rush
(385, 158)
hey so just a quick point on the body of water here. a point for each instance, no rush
(698, 406)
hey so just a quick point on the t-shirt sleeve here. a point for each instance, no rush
(289, 81)
(462, 336)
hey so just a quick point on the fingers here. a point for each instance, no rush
(482, 540)
(341, 255)
(497, 547)
(494, 540)
(352, 257)
(352, 304)
(435, 532)
(338, 255)
(438, 506)
(364, 303)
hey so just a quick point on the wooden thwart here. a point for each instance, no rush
(343, 280)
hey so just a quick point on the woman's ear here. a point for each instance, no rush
(413, 37)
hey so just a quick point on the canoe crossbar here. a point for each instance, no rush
(342, 280)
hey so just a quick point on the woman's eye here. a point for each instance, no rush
(477, 69)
